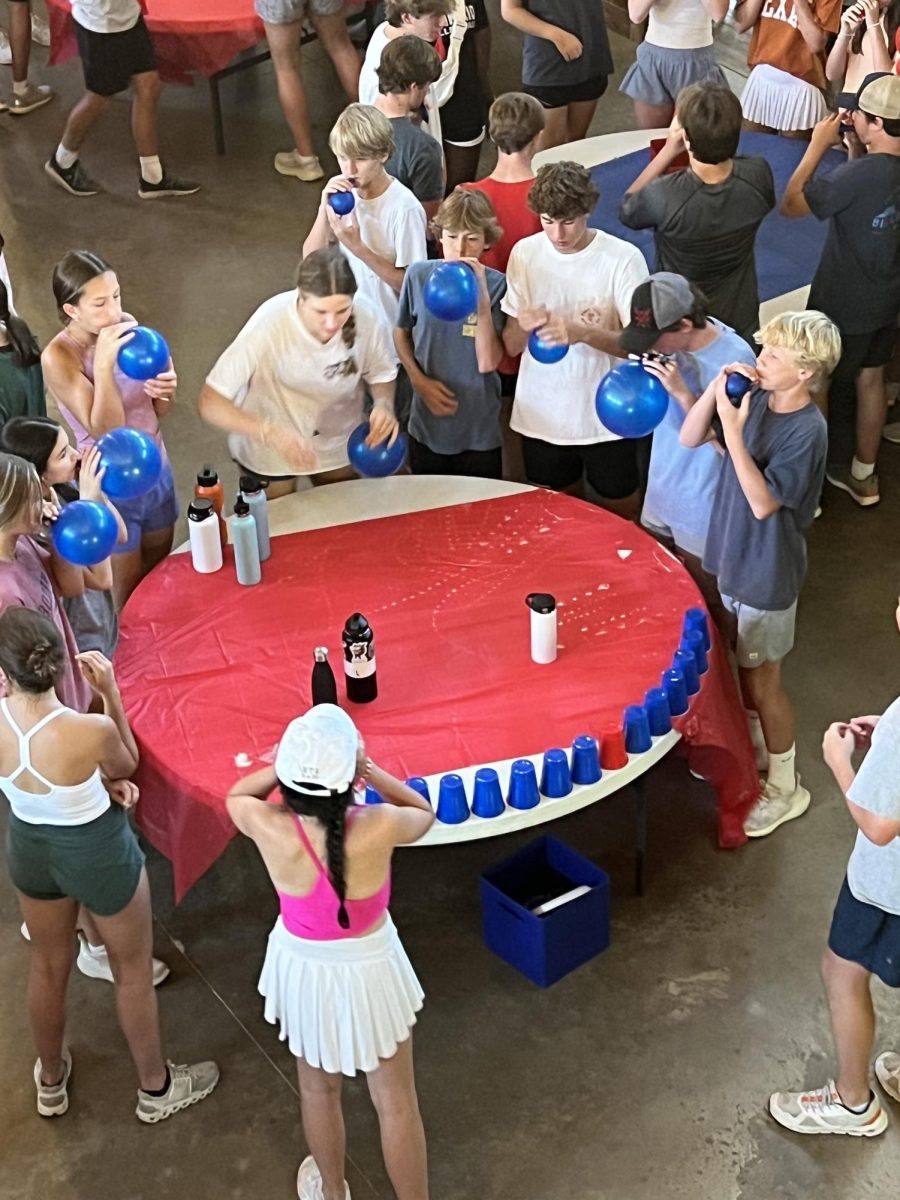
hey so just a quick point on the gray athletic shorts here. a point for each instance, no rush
(286, 12)
(660, 73)
(763, 636)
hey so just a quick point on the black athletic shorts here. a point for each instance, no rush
(478, 464)
(561, 95)
(109, 60)
(611, 468)
(860, 350)
(866, 935)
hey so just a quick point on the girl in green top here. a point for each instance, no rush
(21, 379)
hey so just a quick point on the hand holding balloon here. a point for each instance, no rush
(90, 475)
(375, 461)
(132, 463)
(630, 401)
(383, 427)
(144, 355)
(110, 341)
(84, 533)
(737, 384)
(451, 291)
(543, 350)
(341, 202)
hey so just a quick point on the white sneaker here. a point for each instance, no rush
(890, 433)
(40, 30)
(187, 1085)
(291, 163)
(5, 50)
(309, 1181)
(53, 1101)
(24, 932)
(773, 808)
(887, 1069)
(821, 1111)
(93, 961)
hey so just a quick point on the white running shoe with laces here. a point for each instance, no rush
(774, 807)
(887, 1069)
(5, 50)
(53, 1101)
(93, 961)
(187, 1085)
(40, 30)
(821, 1111)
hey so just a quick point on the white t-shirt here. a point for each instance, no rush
(106, 16)
(394, 226)
(4, 276)
(555, 402)
(278, 371)
(679, 25)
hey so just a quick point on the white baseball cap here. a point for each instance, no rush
(317, 752)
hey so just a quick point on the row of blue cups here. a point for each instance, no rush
(653, 718)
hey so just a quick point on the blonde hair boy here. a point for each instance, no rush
(361, 132)
(813, 338)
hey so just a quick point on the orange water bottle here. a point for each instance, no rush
(209, 487)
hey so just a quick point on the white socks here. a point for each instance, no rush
(65, 158)
(782, 775)
(151, 169)
(760, 750)
(860, 470)
(19, 89)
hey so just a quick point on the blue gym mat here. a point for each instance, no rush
(787, 251)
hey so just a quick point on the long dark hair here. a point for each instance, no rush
(891, 18)
(327, 272)
(32, 653)
(72, 274)
(330, 811)
(34, 439)
(25, 348)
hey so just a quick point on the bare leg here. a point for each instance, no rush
(332, 33)
(852, 1024)
(155, 547)
(126, 570)
(88, 926)
(280, 487)
(871, 410)
(146, 90)
(755, 127)
(51, 926)
(128, 937)
(581, 113)
(796, 135)
(338, 475)
(393, 1090)
(81, 118)
(284, 44)
(556, 127)
(20, 40)
(763, 693)
(323, 1125)
(653, 116)
(462, 164)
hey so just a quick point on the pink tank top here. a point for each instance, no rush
(139, 411)
(315, 915)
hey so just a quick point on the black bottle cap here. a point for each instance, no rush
(541, 602)
(251, 484)
(241, 507)
(199, 510)
(208, 477)
(356, 624)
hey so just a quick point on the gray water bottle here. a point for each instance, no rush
(252, 492)
(243, 539)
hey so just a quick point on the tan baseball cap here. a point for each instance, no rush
(879, 96)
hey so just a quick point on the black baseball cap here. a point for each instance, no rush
(658, 302)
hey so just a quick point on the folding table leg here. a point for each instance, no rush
(640, 833)
(216, 103)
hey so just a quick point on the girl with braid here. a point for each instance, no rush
(336, 978)
(290, 388)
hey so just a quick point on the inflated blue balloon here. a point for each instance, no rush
(145, 356)
(341, 202)
(543, 352)
(630, 401)
(84, 532)
(375, 461)
(132, 460)
(451, 291)
(737, 385)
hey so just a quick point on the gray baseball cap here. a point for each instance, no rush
(658, 302)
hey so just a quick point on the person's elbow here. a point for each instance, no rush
(489, 360)
(793, 204)
(816, 40)
(762, 509)
(742, 24)
(690, 439)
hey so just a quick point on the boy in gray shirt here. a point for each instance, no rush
(407, 69)
(865, 935)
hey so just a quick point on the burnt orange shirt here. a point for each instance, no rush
(778, 42)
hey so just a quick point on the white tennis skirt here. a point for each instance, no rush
(340, 1005)
(781, 101)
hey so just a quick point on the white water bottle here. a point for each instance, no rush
(203, 529)
(243, 540)
(543, 626)
(252, 491)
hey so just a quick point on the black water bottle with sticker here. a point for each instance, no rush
(359, 660)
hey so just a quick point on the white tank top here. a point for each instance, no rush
(679, 25)
(73, 804)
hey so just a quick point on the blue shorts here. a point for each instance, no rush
(866, 935)
(155, 510)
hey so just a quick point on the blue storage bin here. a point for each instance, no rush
(545, 948)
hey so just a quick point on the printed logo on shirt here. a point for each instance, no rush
(340, 370)
(888, 221)
(470, 325)
(780, 10)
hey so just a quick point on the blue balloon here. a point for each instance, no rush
(84, 532)
(737, 385)
(375, 461)
(630, 401)
(145, 356)
(543, 352)
(341, 202)
(132, 460)
(451, 291)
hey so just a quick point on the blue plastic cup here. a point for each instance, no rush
(696, 618)
(452, 806)
(637, 729)
(556, 778)
(487, 800)
(420, 785)
(692, 640)
(673, 685)
(585, 760)
(685, 662)
(656, 702)
(372, 797)
(523, 788)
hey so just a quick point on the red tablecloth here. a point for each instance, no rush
(201, 36)
(211, 671)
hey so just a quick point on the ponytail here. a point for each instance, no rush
(330, 811)
(25, 348)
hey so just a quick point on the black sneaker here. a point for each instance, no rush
(76, 181)
(167, 186)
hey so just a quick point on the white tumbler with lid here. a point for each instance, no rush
(203, 530)
(543, 626)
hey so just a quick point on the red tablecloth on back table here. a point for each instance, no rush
(212, 672)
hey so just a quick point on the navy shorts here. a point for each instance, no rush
(150, 513)
(869, 936)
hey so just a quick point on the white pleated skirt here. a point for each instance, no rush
(340, 1005)
(781, 101)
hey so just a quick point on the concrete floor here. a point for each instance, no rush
(642, 1075)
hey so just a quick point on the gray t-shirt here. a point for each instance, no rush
(445, 350)
(542, 63)
(763, 562)
(873, 872)
(417, 161)
(707, 232)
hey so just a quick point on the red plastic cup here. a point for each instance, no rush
(612, 748)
